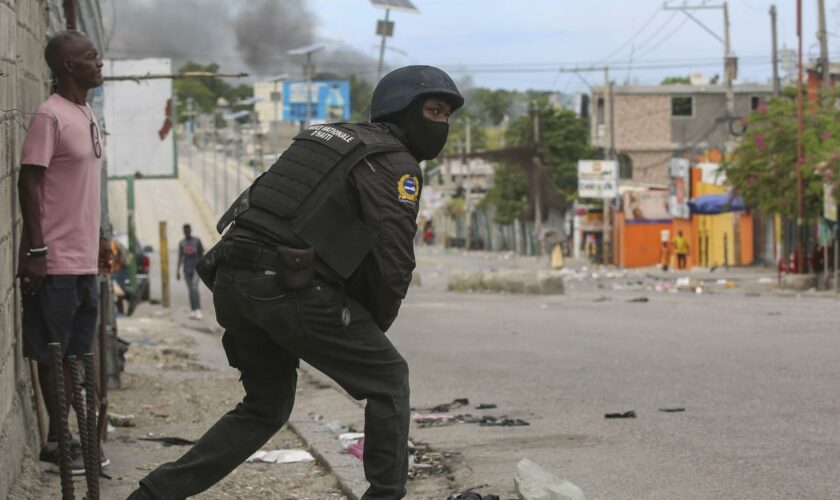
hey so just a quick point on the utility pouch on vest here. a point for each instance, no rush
(239, 206)
(298, 271)
(207, 266)
(339, 238)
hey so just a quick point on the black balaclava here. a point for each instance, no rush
(424, 138)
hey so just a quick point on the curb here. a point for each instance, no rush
(322, 443)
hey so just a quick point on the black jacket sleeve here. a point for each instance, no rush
(387, 191)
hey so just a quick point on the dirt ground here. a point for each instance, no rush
(177, 384)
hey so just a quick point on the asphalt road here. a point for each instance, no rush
(757, 376)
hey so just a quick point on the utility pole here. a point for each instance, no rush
(775, 51)
(800, 127)
(537, 181)
(730, 62)
(609, 130)
(468, 172)
(825, 64)
(385, 36)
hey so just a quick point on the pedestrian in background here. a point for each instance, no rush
(665, 255)
(190, 251)
(681, 249)
(62, 245)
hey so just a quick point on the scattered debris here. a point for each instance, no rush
(433, 420)
(471, 495)
(426, 462)
(602, 298)
(639, 299)
(356, 448)
(626, 414)
(676, 409)
(168, 440)
(445, 407)
(486, 406)
(281, 456)
(533, 482)
(118, 420)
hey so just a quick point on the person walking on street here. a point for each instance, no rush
(190, 251)
(62, 246)
(681, 249)
(317, 260)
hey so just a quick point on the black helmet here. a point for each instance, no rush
(396, 90)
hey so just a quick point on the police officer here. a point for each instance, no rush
(315, 262)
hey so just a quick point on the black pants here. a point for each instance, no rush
(681, 260)
(267, 329)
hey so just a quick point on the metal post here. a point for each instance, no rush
(800, 126)
(468, 173)
(59, 397)
(382, 46)
(132, 238)
(164, 264)
(215, 144)
(775, 52)
(239, 145)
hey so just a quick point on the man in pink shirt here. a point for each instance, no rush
(61, 250)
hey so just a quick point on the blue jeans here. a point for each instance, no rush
(191, 278)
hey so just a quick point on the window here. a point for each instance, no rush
(755, 102)
(682, 106)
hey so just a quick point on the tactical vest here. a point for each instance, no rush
(302, 199)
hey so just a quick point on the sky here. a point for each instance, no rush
(520, 44)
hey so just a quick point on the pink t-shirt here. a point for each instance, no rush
(59, 138)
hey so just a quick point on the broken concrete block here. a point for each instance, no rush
(462, 281)
(550, 282)
(799, 282)
(533, 482)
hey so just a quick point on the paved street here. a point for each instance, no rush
(757, 376)
(756, 373)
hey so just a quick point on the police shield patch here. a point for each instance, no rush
(408, 188)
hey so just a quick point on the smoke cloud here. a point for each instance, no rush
(251, 36)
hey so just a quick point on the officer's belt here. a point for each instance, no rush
(252, 255)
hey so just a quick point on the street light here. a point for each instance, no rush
(308, 71)
(275, 96)
(385, 28)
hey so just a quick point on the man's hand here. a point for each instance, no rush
(32, 272)
(106, 258)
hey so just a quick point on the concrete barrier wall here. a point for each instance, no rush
(24, 78)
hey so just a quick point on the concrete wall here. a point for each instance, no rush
(24, 26)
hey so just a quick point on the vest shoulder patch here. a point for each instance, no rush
(339, 139)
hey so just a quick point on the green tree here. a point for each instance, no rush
(762, 168)
(565, 140)
(509, 193)
(676, 80)
(490, 106)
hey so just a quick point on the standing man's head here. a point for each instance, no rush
(679, 233)
(419, 100)
(187, 231)
(74, 60)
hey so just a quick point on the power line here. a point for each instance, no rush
(633, 37)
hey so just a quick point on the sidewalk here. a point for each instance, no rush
(177, 383)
